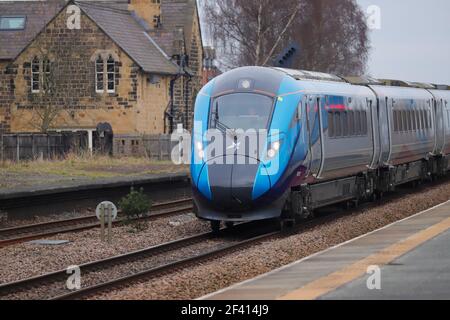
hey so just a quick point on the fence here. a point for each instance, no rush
(43, 146)
(157, 146)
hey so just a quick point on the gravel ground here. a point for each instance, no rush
(93, 277)
(25, 260)
(248, 263)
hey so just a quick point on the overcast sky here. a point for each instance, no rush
(413, 42)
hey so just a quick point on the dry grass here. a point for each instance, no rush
(84, 166)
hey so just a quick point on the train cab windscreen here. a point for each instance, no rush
(241, 111)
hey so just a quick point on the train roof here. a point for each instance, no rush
(311, 75)
(401, 92)
(358, 80)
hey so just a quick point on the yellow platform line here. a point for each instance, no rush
(331, 282)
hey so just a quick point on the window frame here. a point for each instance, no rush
(14, 17)
(112, 73)
(36, 61)
(99, 61)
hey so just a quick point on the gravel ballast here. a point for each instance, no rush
(258, 259)
(26, 259)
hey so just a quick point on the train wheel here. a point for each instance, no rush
(215, 226)
(229, 224)
(286, 224)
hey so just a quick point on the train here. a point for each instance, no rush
(326, 140)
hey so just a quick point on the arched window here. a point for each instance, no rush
(99, 75)
(110, 68)
(35, 71)
(46, 77)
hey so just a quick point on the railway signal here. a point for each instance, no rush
(286, 58)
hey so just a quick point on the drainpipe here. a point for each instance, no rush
(186, 101)
(169, 114)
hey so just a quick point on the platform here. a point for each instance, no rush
(101, 183)
(411, 257)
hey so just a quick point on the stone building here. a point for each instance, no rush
(135, 65)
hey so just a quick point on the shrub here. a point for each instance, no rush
(135, 204)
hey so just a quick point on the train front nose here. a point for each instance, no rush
(236, 182)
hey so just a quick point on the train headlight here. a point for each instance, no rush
(274, 149)
(200, 152)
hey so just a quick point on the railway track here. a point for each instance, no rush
(112, 273)
(135, 265)
(9, 236)
(122, 270)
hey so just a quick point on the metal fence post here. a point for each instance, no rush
(160, 148)
(18, 148)
(2, 149)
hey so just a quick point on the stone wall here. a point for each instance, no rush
(7, 72)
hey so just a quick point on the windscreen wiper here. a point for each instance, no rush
(220, 125)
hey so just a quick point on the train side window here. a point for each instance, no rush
(403, 115)
(398, 120)
(364, 122)
(351, 123)
(344, 124)
(408, 120)
(419, 121)
(425, 113)
(357, 123)
(429, 120)
(414, 120)
(338, 125)
(331, 124)
(394, 116)
(422, 118)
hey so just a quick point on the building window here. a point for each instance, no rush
(12, 23)
(35, 75)
(99, 75)
(46, 77)
(110, 72)
(156, 21)
(105, 76)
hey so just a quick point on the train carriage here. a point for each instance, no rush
(325, 140)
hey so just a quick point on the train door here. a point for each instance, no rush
(440, 128)
(384, 106)
(314, 126)
(374, 117)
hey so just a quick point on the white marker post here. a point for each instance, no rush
(106, 210)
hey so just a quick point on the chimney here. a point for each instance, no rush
(147, 10)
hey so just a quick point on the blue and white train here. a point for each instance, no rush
(336, 141)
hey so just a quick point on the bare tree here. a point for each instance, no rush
(48, 104)
(332, 33)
